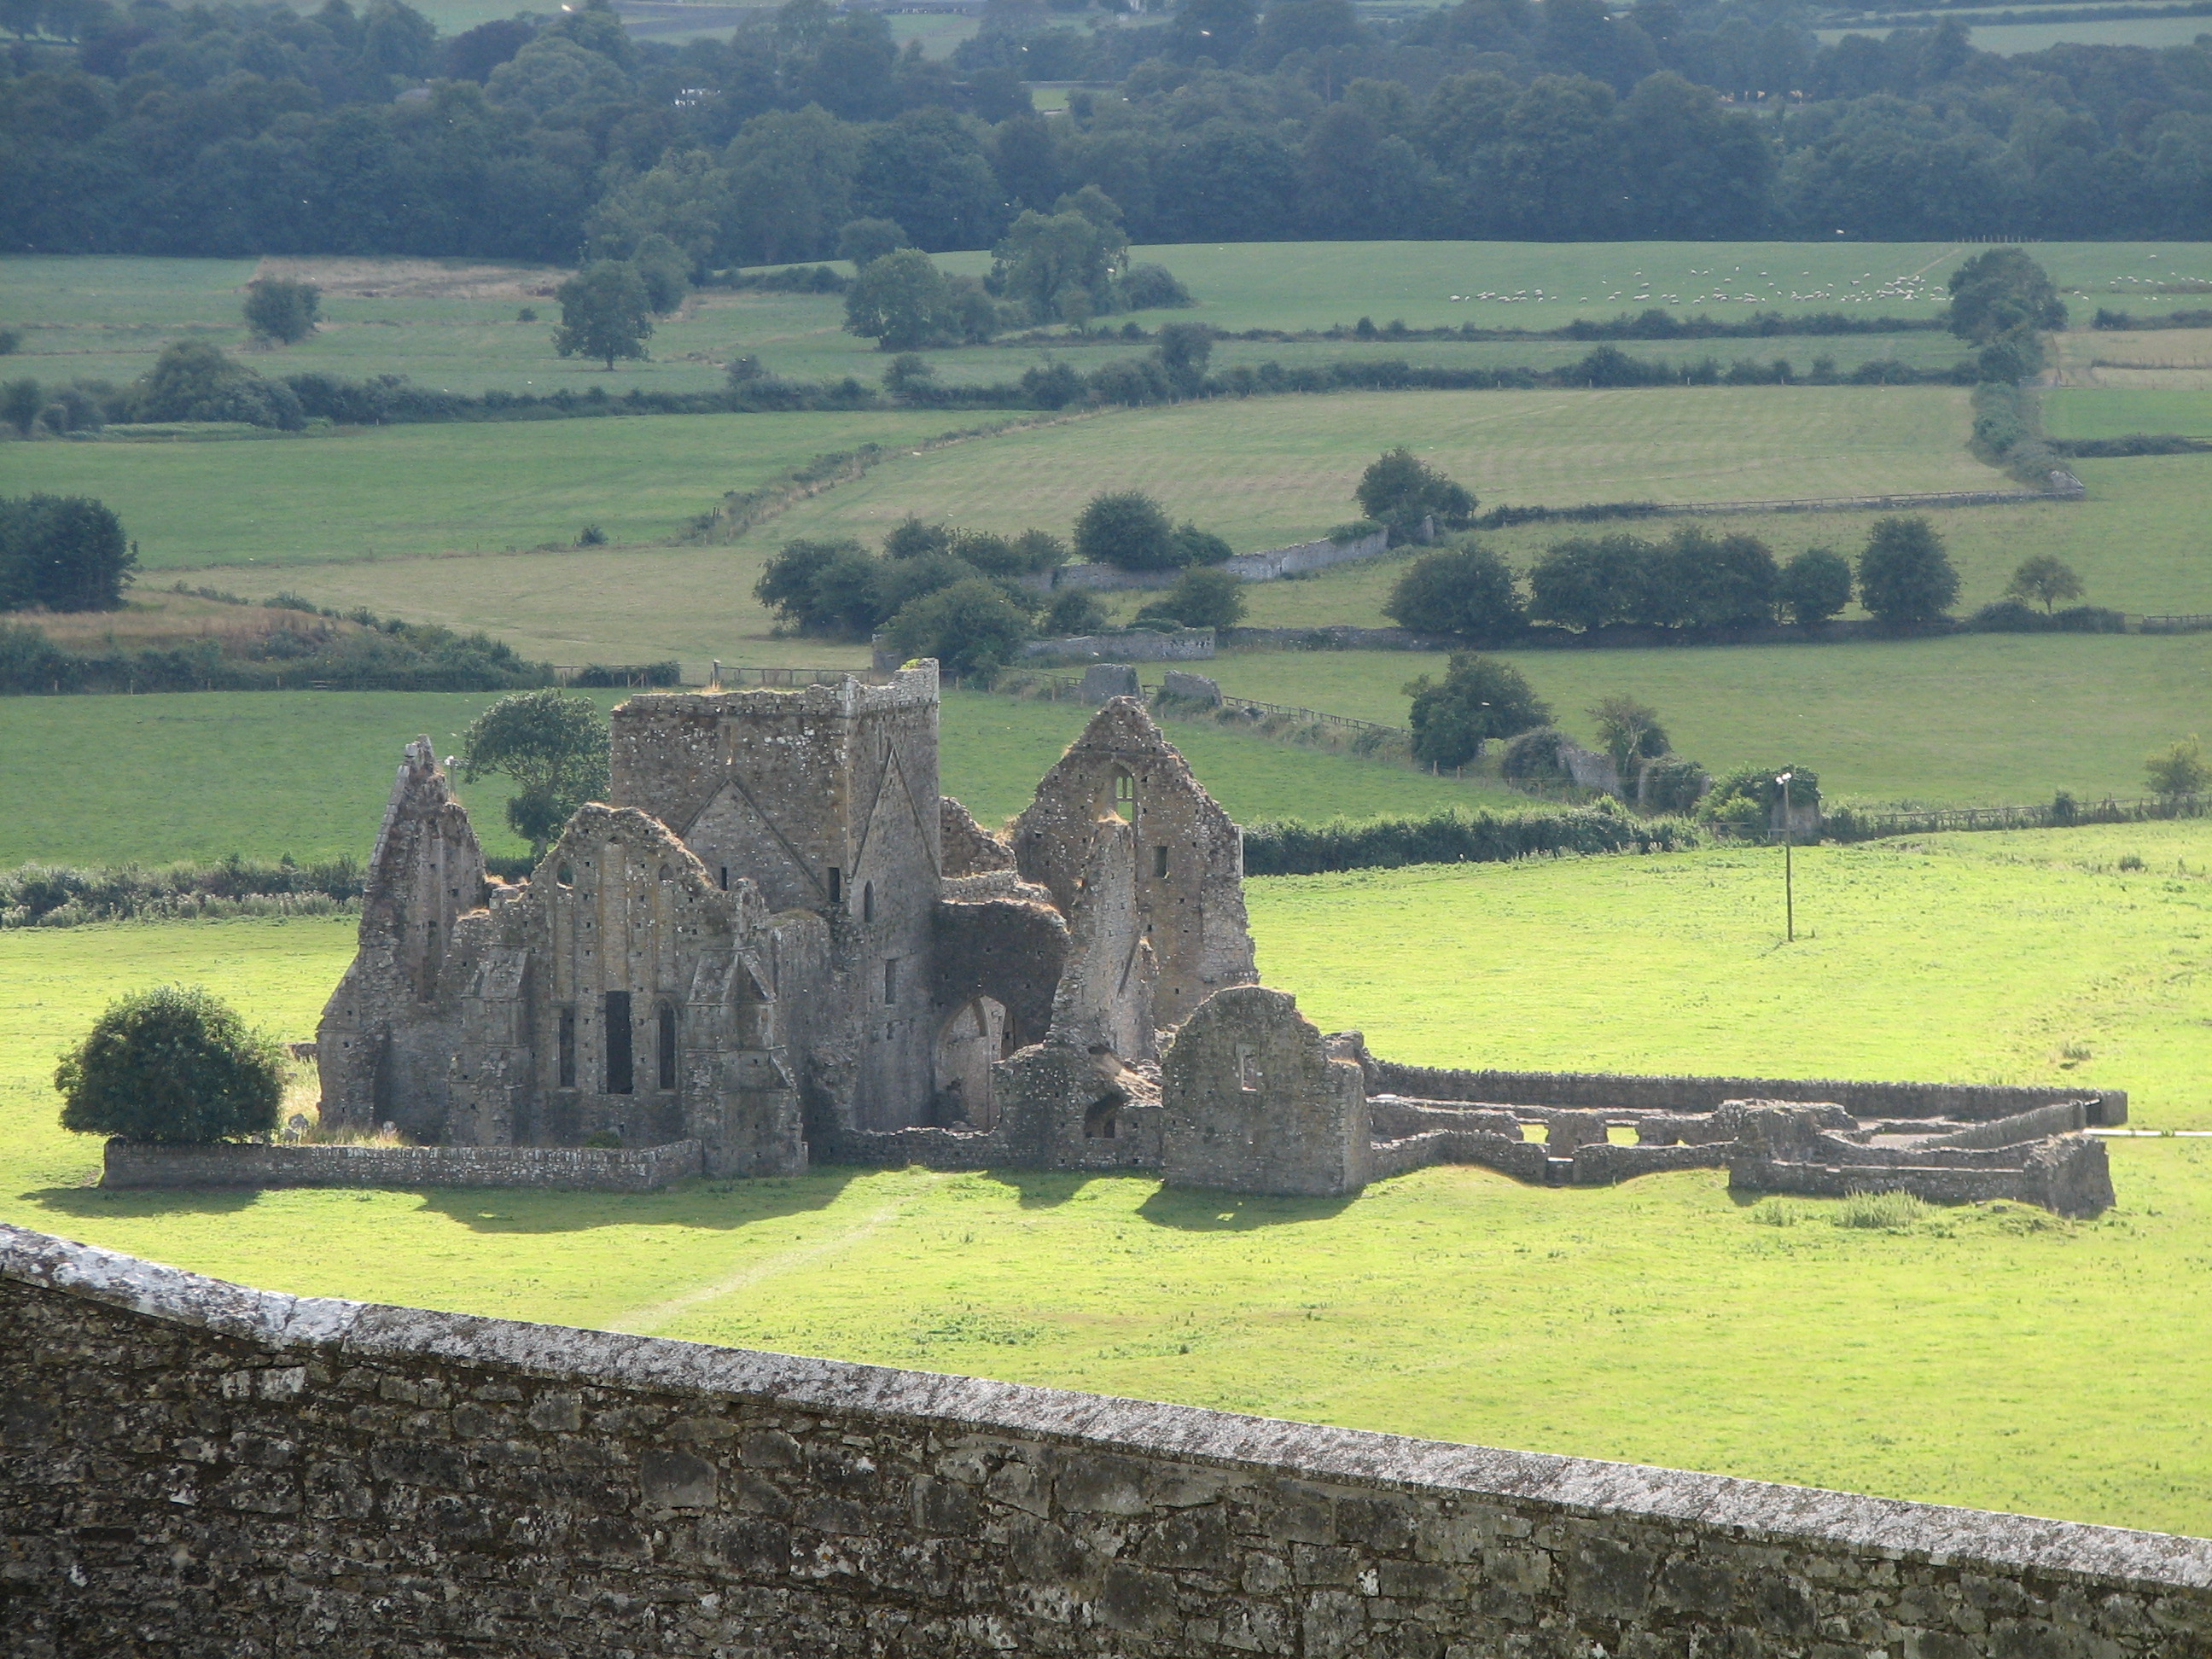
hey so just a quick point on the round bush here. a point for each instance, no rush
(173, 1064)
(1126, 528)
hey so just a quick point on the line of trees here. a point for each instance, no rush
(247, 127)
(62, 553)
(1690, 579)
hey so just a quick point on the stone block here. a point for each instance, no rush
(1102, 682)
(1189, 688)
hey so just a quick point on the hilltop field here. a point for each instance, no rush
(1658, 1321)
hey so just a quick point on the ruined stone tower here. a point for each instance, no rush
(826, 800)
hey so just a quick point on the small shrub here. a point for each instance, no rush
(2179, 768)
(591, 535)
(174, 1064)
(527, 314)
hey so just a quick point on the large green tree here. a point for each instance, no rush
(900, 300)
(62, 553)
(1128, 529)
(281, 310)
(1467, 591)
(1402, 491)
(552, 746)
(1905, 577)
(1478, 698)
(173, 1064)
(606, 311)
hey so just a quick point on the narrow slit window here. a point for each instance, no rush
(725, 877)
(667, 1046)
(1248, 1070)
(891, 981)
(620, 1080)
(1125, 795)
(1160, 864)
(836, 886)
(867, 900)
(565, 1064)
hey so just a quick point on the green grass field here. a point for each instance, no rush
(2007, 38)
(2111, 412)
(1279, 469)
(454, 323)
(1657, 1322)
(417, 489)
(1978, 719)
(198, 775)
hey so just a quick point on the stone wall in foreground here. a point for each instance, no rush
(193, 1468)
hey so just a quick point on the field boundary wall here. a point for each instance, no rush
(1971, 1103)
(198, 1468)
(553, 1168)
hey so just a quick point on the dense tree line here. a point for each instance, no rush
(149, 127)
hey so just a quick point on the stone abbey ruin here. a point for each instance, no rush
(778, 943)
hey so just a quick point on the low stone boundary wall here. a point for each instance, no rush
(1602, 1163)
(1271, 565)
(1610, 1091)
(193, 1468)
(556, 1168)
(2070, 1177)
(2068, 1117)
(1192, 645)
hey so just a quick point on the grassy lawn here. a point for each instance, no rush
(435, 490)
(1977, 1357)
(1982, 719)
(1278, 470)
(2116, 412)
(198, 775)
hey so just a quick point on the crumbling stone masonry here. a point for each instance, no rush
(781, 943)
(200, 1471)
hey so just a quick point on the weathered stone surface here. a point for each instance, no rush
(1102, 682)
(1256, 1103)
(1190, 856)
(553, 1168)
(1191, 688)
(194, 1469)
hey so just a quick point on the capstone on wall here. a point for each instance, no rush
(195, 1469)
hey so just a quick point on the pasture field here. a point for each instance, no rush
(197, 775)
(2007, 38)
(2157, 360)
(1975, 720)
(455, 324)
(417, 489)
(2117, 412)
(1658, 1321)
(1278, 470)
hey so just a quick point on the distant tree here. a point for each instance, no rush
(666, 270)
(2001, 292)
(1061, 265)
(1478, 698)
(11, 342)
(62, 553)
(20, 402)
(900, 300)
(825, 589)
(553, 746)
(1126, 528)
(1184, 350)
(1585, 583)
(1076, 611)
(1815, 585)
(1467, 591)
(912, 379)
(1696, 580)
(2044, 580)
(2179, 768)
(194, 380)
(1401, 491)
(174, 1064)
(1199, 598)
(1629, 730)
(909, 538)
(863, 240)
(970, 627)
(605, 312)
(279, 309)
(1905, 577)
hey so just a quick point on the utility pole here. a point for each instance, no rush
(1789, 882)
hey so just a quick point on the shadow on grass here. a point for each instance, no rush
(137, 1202)
(1194, 1212)
(720, 1206)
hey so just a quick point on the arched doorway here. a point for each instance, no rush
(971, 1039)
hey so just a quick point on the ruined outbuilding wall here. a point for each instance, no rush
(194, 1469)
(1620, 1092)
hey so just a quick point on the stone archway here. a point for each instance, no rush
(967, 1044)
